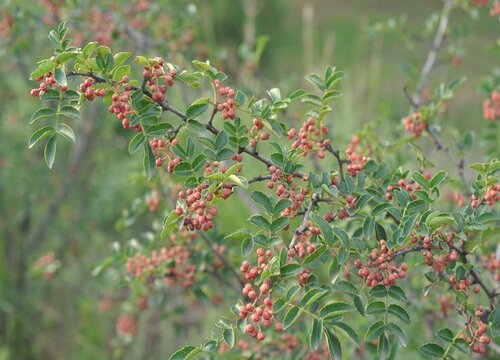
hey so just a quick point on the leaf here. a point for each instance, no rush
(316, 258)
(334, 309)
(279, 224)
(325, 228)
(149, 161)
(383, 347)
(43, 68)
(398, 332)
(342, 236)
(397, 293)
(315, 334)
(259, 220)
(70, 112)
(358, 303)
(348, 330)
(136, 143)
(438, 178)
(375, 307)
(368, 227)
(228, 336)
(421, 179)
(399, 312)
(261, 198)
(42, 113)
(280, 206)
(238, 180)
(445, 334)
(183, 169)
(89, 49)
(60, 76)
(378, 291)
(297, 94)
(290, 317)
(185, 353)
(66, 131)
(316, 80)
(247, 246)
(334, 346)
(312, 295)
(121, 57)
(345, 287)
(375, 330)
(50, 151)
(197, 108)
(238, 235)
(431, 349)
(40, 134)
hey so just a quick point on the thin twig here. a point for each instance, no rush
(303, 227)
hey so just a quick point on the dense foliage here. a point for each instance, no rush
(332, 257)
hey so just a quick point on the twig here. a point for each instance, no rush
(303, 227)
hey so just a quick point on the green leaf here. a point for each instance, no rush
(247, 246)
(121, 57)
(432, 350)
(383, 347)
(398, 332)
(50, 151)
(89, 49)
(185, 353)
(345, 287)
(315, 334)
(228, 336)
(60, 76)
(279, 224)
(334, 309)
(421, 179)
(66, 131)
(280, 206)
(290, 317)
(316, 80)
(43, 68)
(274, 94)
(183, 169)
(238, 235)
(136, 142)
(197, 108)
(358, 303)
(260, 220)
(399, 312)
(348, 330)
(317, 257)
(261, 198)
(312, 295)
(311, 99)
(397, 293)
(334, 346)
(326, 229)
(238, 180)
(70, 112)
(445, 334)
(375, 330)
(42, 114)
(375, 307)
(40, 134)
(297, 94)
(368, 227)
(342, 236)
(149, 161)
(438, 178)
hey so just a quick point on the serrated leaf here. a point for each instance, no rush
(438, 178)
(375, 330)
(149, 161)
(326, 229)
(312, 295)
(431, 349)
(197, 108)
(42, 114)
(50, 151)
(334, 309)
(60, 76)
(185, 353)
(43, 68)
(399, 312)
(375, 307)
(66, 131)
(261, 198)
(291, 316)
(315, 80)
(397, 293)
(315, 334)
(260, 221)
(247, 246)
(228, 336)
(70, 112)
(40, 134)
(398, 332)
(334, 346)
(445, 334)
(316, 257)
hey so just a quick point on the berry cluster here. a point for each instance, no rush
(171, 263)
(437, 261)
(381, 269)
(286, 189)
(198, 210)
(227, 106)
(414, 124)
(158, 79)
(357, 161)
(88, 91)
(161, 151)
(257, 133)
(120, 105)
(491, 107)
(490, 197)
(310, 137)
(475, 332)
(251, 272)
(47, 81)
(351, 203)
(303, 247)
(403, 185)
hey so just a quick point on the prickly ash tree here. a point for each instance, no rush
(334, 254)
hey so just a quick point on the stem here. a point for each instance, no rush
(303, 227)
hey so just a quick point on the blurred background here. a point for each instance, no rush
(57, 227)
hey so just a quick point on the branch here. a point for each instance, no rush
(408, 250)
(341, 162)
(303, 227)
